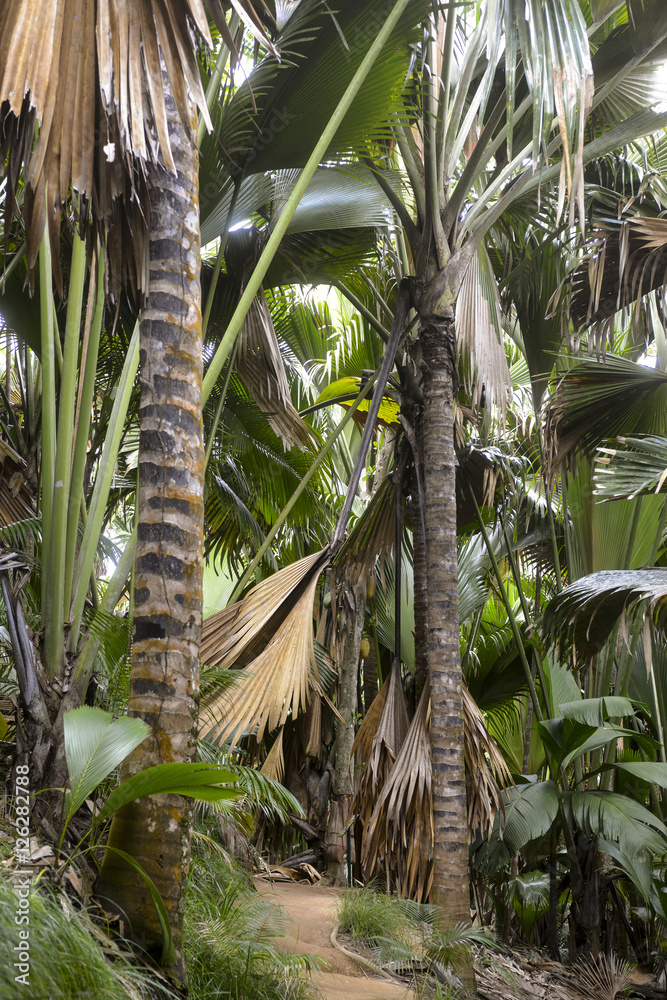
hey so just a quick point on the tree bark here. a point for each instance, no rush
(420, 597)
(450, 850)
(164, 686)
(343, 787)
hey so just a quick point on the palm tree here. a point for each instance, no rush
(126, 149)
(479, 144)
(488, 136)
(116, 141)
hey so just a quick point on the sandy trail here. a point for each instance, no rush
(313, 908)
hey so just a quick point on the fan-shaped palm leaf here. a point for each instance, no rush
(275, 683)
(637, 468)
(337, 198)
(587, 611)
(232, 633)
(594, 401)
(617, 818)
(275, 119)
(625, 262)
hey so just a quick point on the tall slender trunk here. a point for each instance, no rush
(420, 596)
(450, 848)
(164, 686)
(343, 786)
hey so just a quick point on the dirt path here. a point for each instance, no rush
(313, 908)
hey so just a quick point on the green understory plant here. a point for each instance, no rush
(410, 938)
(233, 938)
(70, 954)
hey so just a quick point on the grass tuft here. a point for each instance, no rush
(372, 917)
(69, 955)
(233, 936)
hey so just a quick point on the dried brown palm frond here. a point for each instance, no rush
(276, 683)
(260, 365)
(274, 765)
(624, 263)
(400, 830)
(89, 74)
(486, 770)
(363, 741)
(235, 632)
(86, 78)
(373, 536)
(602, 978)
(391, 730)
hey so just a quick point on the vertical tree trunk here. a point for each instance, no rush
(343, 787)
(420, 596)
(450, 848)
(164, 686)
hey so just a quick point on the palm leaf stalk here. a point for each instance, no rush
(49, 420)
(284, 514)
(516, 632)
(89, 355)
(57, 541)
(101, 489)
(288, 211)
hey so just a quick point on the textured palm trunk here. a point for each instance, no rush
(164, 686)
(420, 599)
(343, 787)
(450, 848)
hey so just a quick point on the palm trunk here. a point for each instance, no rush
(343, 787)
(420, 598)
(164, 686)
(450, 848)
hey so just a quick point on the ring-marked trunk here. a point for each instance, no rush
(450, 846)
(164, 687)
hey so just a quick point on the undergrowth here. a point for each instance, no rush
(69, 955)
(372, 917)
(406, 937)
(233, 937)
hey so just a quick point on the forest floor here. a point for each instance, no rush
(313, 911)
(522, 974)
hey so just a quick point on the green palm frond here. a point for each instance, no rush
(275, 119)
(530, 809)
(619, 819)
(343, 197)
(595, 401)
(587, 611)
(637, 466)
